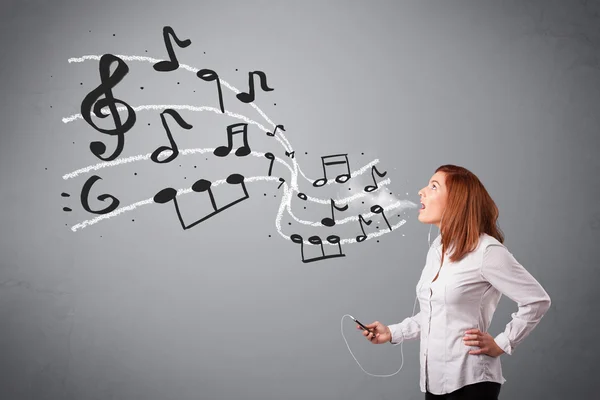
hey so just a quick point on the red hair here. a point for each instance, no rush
(469, 212)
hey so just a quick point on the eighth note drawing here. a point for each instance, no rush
(340, 178)
(270, 156)
(202, 185)
(361, 238)
(172, 64)
(331, 221)
(222, 151)
(370, 188)
(249, 97)
(173, 148)
(333, 239)
(275, 130)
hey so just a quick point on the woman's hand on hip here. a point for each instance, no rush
(483, 340)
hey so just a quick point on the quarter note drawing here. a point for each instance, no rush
(290, 155)
(270, 156)
(370, 188)
(93, 100)
(173, 146)
(275, 130)
(208, 75)
(331, 221)
(363, 237)
(342, 159)
(377, 209)
(200, 186)
(223, 151)
(249, 97)
(316, 240)
(85, 193)
(173, 63)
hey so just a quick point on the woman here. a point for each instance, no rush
(466, 272)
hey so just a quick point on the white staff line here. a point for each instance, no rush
(206, 108)
(106, 110)
(285, 204)
(187, 68)
(185, 152)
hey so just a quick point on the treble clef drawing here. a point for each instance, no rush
(94, 100)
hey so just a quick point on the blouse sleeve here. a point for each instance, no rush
(409, 328)
(505, 273)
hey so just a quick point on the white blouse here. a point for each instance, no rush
(465, 296)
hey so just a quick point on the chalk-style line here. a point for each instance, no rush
(158, 107)
(206, 108)
(187, 68)
(184, 152)
(285, 204)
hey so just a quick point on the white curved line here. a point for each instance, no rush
(189, 68)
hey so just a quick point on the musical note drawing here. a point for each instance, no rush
(249, 97)
(107, 82)
(377, 209)
(173, 63)
(302, 196)
(209, 75)
(333, 239)
(290, 155)
(340, 178)
(173, 145)
(200, 186)
(280, 180)
(275, 130)
(223, 151)
(271, 157)
(85, 192)
(331, 221)
(361, 238)
(370, 188)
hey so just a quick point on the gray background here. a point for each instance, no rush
(137, 308)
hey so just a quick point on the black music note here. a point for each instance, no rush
(107, 82)
(340, 178)
(280, 180)
(302, 196)
(333, 239)
(222, 151)
(377, 209)
(202, 185)
(271, 157)
(85, 192)
(275, 130)
(249, 97)
(361, 238)
(291, 155)
(208, 75)
(172, 64)
(173, 148)
(331, 221)
(370, 188)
